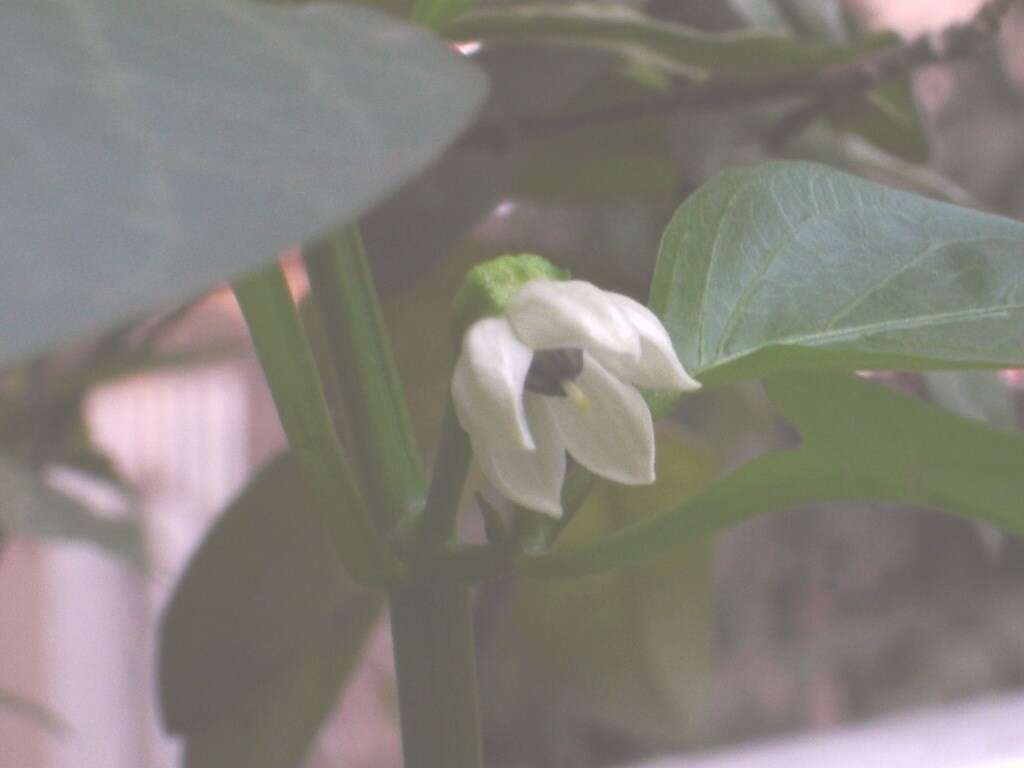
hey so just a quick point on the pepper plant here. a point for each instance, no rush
(156, 147)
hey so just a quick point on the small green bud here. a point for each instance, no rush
(488, 287)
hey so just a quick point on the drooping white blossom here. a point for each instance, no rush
(558, 372)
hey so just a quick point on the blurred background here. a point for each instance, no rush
(794, 623)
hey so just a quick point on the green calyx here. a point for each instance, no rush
(488, 287)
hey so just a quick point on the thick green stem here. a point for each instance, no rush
(294, 382)
(432, 629)
(435, 659)
(385, 448)
(431, 620)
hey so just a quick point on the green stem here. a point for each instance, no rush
(291, 373)
(432, 628)
(384, 445)
(776, 481)
(431, 619)
(451, 464)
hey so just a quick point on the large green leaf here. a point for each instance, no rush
(31, 507)
(935, 458)
(262, 630)
(798, 265)
(277, 726)
(861, 442)
(152, 148)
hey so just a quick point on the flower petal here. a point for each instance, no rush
(658, 367)
(614, 437)
(560, 314)
(530, 478)
(487, 386)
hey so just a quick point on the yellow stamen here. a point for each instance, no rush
(576, 395)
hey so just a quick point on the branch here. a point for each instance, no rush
(846, 84)
(826, 88)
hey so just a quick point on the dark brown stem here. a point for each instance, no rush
(845, 84)
(823, 91)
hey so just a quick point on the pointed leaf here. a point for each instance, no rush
(153, 148)
(263, 627)
(277, 726)
(861, 442)
(798, 265)
(933, 457)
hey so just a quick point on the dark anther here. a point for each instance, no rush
(550, 367)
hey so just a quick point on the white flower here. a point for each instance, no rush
(558, 372)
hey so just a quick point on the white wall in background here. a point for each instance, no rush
(985, 733)
(182, 439)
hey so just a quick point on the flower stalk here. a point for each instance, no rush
(451, 465)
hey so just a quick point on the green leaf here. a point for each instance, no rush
(37, 714)
(685, 50)
(277, 727)
(30, 507)
(853, 154)
(153, 148)
(798, 265)
(861, 442)
(932, 457)
(643, 633)
(262, 630)
(770, 483)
